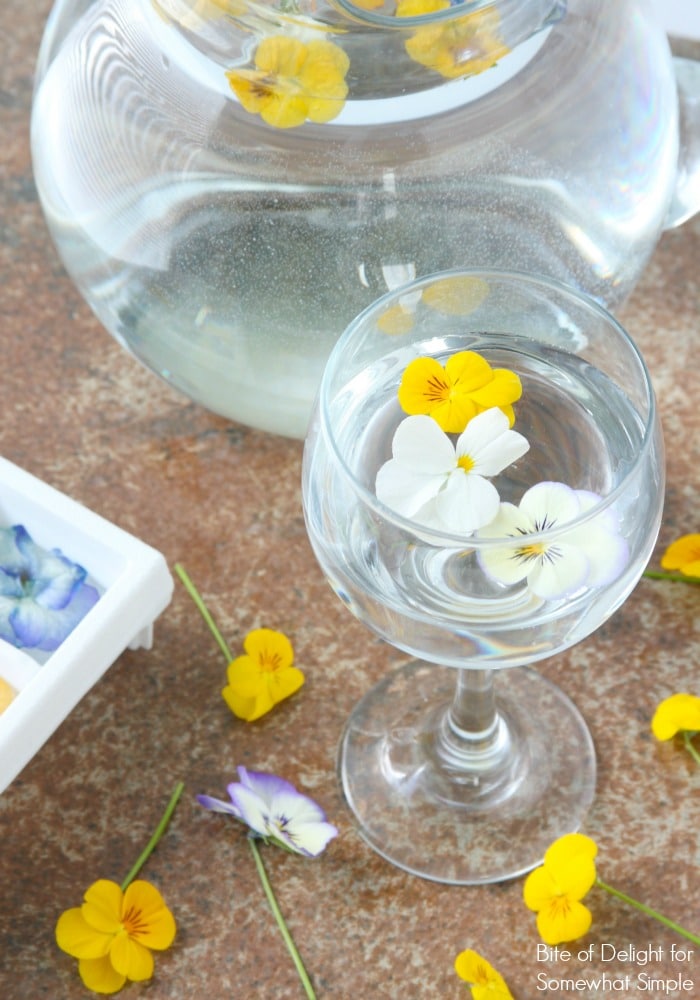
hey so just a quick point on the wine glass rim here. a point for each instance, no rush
(473, 541)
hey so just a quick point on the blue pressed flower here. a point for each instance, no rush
(43, 595)
(273, 809)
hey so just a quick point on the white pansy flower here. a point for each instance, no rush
(591, 555)
(445, 486)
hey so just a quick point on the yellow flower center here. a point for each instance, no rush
(438, 390)
(559, 907)
(269, 661)
(465, 462)
(531, 551)
(133, 922)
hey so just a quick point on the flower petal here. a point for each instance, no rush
(607, 552)
(265, 645)
(566, 848)
(78, 938)
(38, 627)
(253, 810)
(100, 976)
(678, 713)
(466, 503)
(102, 906)
(283, 683)
(683, 553)
(423, 457)
(557, 924)
(560, 571)
(146, 917)
(130, 958)
(420, 444)
(313, 838)
(266, 785)
(424, 384)
(456, 295)
(218, 805)
(404, 490)
(490, 444)
(248, 707)
(551, 504)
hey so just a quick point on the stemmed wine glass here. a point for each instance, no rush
(457, 769)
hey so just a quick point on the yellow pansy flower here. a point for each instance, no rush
(7, 694)
(456, 296)
(555, 890)
(683, 555)
(463, 46)
(263, 676)
(485, 982)
(453, 394)
(679, 713)
(113, 933)
(293, 81)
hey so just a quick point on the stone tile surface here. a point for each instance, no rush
(224, 500)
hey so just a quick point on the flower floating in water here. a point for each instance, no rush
(43, 595)
(293, 81)
(260, 678)
(456, 295)
(263, 676)
(275, 812)
(463, 46)
(554, 892)
(444, 486)
(452, 395)
(591, 555)
(485, 982)
(678, 714)
(118, 926)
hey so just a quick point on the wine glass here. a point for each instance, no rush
(455, 768)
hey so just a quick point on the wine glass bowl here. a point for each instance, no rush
(466, 775)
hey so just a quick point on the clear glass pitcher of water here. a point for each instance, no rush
(229, 182)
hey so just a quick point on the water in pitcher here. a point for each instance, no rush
(228, 256)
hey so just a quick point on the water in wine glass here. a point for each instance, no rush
(424, 592)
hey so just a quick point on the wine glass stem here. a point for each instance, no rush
(472, 735)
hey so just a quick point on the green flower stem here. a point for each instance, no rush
(160, 830)
(648, 910)
(687, 738)
(203, 610)
(654, 574)
(284, 930)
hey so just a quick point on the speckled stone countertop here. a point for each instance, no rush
(82, 415)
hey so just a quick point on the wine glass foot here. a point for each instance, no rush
(474, 818)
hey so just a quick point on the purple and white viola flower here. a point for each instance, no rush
(590, 555)
(43, 594)
(445, 486)
(273, 809)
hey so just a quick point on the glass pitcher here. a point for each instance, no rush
(229, 182)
